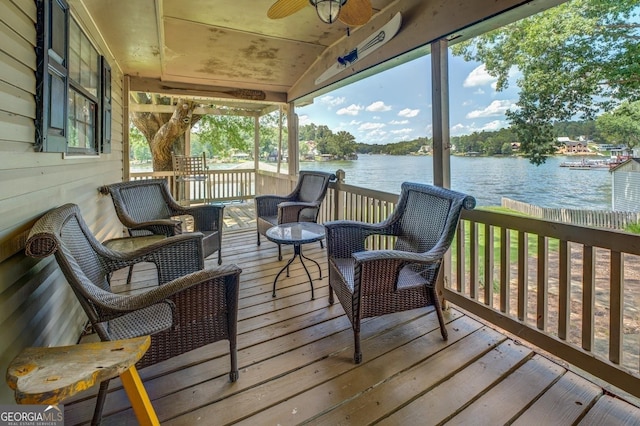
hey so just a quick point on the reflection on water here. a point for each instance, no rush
(486, 178)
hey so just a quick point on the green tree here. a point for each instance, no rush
(621, 125)
(341, 144)
(578, 58)
(224, 133)
(307, 132)
(270, 133)
(139, 148)
(322, 136)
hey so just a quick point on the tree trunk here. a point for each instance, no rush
(164, 131)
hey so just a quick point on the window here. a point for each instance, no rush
(74, 86)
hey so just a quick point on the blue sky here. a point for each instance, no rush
(395, 105)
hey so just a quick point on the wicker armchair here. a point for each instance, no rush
(377, 282)
(146, 207)
(190, 308)
(302, 205)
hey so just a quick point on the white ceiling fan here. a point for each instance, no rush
(349, 12)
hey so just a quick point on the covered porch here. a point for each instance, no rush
(561, 287)
(296, 366)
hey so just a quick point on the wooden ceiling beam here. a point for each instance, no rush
(198, 110)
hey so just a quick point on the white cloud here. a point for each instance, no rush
(303, 120)
(371, 126)
(352, 109)
(399, 122)
(429, 130)
(467, 103)
(354, 123)
(401, 131)
(376, 136)
(462, 129)
(332, 101)
(478, 77)
(479, 92)
(495, 108)
(458, 129)
(378, 106)
(493, 125)
(409, 112)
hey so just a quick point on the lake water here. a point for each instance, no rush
(488, 179)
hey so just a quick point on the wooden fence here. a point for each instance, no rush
(591, 218)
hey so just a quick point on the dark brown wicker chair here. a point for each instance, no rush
(377, 282)
(302, 205)
(190, 308)
(146, 207)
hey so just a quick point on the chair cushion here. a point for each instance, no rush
(271, 219)
(149, 320)
(408, 277)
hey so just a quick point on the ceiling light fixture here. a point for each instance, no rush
(328, 10)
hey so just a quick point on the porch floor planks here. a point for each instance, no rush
(431, 391)
(311, 367)
(295, 355)
(354, 387)
(611, 411)
(566, 402)
(502, 403)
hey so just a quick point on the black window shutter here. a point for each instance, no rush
(106, 106)
(52, 76)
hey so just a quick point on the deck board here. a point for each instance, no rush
(566, 402)
(459, 384)
(295, 359)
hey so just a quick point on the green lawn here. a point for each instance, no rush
(532, 244)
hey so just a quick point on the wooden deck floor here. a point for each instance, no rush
(295, 358)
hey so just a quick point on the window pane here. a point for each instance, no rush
(84, 62)
(58, 32)
(74, 51)
(82, 117)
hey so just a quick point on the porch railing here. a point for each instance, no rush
(573, 291)
(222, 185)
(570, 290)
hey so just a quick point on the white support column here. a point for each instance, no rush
(126, 84)
(256, 142)
(441, 142)
(279, 159)
(440, 102)
(293, 143)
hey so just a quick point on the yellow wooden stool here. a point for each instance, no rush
(50, 375)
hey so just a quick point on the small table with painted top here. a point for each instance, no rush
(49, 375)
(296, 234)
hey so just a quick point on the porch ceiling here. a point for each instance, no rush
(230, 49)
(221, 43)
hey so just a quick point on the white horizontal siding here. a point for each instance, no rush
(626, 190)
(37, 307)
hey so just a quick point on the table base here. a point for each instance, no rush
(297, 252)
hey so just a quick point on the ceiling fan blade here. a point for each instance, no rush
(356, 12)
(283, 8)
